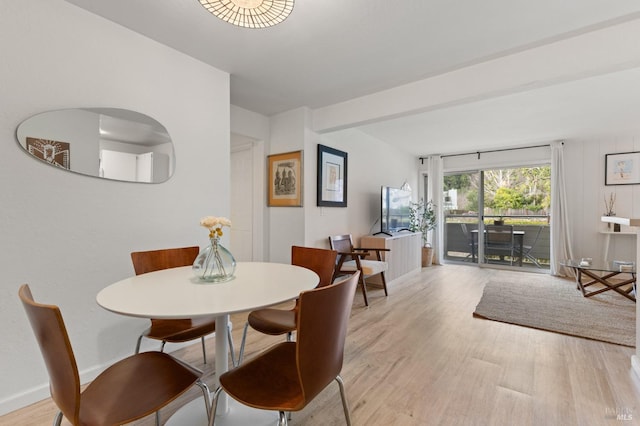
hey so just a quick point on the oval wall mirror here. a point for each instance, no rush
(109, 143)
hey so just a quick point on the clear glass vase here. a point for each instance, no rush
(214, 263)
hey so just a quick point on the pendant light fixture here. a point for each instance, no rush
(250, 13)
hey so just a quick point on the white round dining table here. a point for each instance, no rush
(176, 293)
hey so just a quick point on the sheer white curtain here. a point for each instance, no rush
(435, 191)
(560, 230)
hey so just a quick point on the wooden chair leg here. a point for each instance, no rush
(364, 289)
(384, 284)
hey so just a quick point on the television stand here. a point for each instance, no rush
(383, 232)
(404, 257)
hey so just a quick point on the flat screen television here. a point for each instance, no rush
(395, 205)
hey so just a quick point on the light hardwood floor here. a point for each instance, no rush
(419, 357)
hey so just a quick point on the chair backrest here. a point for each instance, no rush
(467, 234)
(499, 235)
(323, 317)
(51, 334)
(533, 241)
(155, 260)
(341, 243)
(320, 261)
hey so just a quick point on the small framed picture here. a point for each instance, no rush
(53, 152)
(622, 168)
(285, 179)
(332, 177)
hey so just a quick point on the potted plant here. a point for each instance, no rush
(422, 218)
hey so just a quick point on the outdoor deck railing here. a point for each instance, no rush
(457, 239)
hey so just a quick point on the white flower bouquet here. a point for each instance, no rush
(214, 225)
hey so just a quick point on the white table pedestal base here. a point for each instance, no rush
(193, 414)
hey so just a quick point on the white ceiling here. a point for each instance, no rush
(329, 51)
(597, 107)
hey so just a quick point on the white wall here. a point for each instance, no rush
(287, 224)
(67, 235)
(584, 161)
(586, 193)
(371, 164)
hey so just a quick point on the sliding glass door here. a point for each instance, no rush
(461, 215)
(516, 216)
(498, 217)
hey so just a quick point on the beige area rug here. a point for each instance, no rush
(553, 304)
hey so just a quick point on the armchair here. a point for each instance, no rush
(352, 259)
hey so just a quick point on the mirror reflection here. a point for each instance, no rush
(108, 143)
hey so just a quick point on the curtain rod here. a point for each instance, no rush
(485, 152)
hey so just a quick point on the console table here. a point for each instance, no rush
(608, 234)
(404, 257)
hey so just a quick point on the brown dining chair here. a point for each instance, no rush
(279, 321)
(175, 330)
(289, 375)
(351, 259)
(128, 390)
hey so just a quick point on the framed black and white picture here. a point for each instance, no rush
(332, 177)
(285, 179)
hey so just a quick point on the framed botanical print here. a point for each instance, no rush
(332, 177)
(285, 179)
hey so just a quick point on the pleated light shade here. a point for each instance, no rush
(250, 13)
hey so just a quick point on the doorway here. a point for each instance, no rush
(247, 199)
